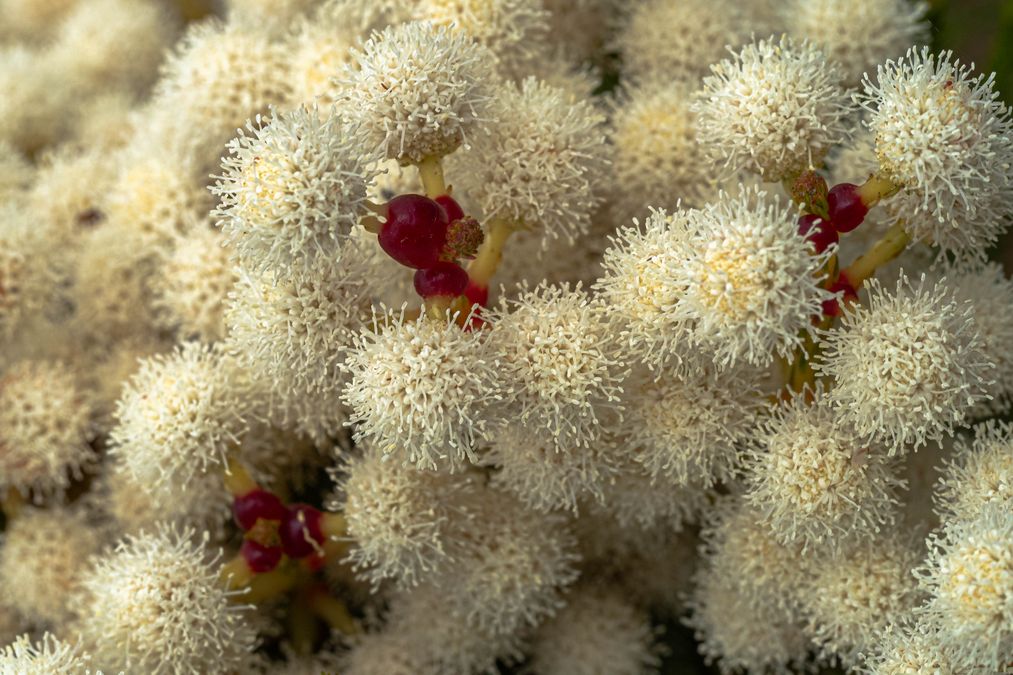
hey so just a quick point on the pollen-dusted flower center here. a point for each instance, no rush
(977, 579)
(730, 282)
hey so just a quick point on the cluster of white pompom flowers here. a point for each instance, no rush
(377, 337)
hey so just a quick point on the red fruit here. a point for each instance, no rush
(845, 207)
(415, 231)
(820, 232)
(452, 208)
(260, 558)
(833, 307)
(257, 504)
(301, 534)
(477, 295)
(464, 236)
(444, 279)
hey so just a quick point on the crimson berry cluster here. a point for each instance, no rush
(273, 529)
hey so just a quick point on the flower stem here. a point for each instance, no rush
(482, 269)
(333, 611)
(431, 174)
(883, 251)
(875, 189)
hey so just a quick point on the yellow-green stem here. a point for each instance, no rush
(437, 306)
(333, 611)
(490, 253)
(876, 189)
(237, 479)
(891, 245)
(431, 173)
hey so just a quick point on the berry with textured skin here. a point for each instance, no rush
(415, 231)
(464, 236)
(256, 505)
(444, 279)
(846, 209)
(259, 558)
(301, 532)
(820, 232)
(450, 205)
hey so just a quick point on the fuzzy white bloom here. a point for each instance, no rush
(907, 650)
(599, 631)
(157, 605)
(689, 428)
(37, 94)
(655, 156)
(41, 561)
(546, 476)
(16, 173)
(179, 415)
(70, 193)
(775, 109)
(194, 284)
(859, 34)
(45, 428)
(849, 600)
(638, 502)
(943, 134)
(640, 288)
(515, 566)
(558, 368)
(399, 517)
(969, 577)
(979, 475)
(33, 20)
(665, 40)
(936, 367)
(514, 31)
(417, 90)
(294, 187)
(320, 47)
(420, 389)
(27, 279)
(815, 481)
(541, 163)
(988, 291)
(48, 656)
(751, 282)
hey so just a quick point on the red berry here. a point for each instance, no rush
(464, 236)
(845, 207)
(260, 558)
(452, 208)
(415, 231)
(820, 232)
(255, 505)
(833, 307)
(300, 530)
(477, 295)
(444, 279)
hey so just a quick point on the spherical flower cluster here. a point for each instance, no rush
(640, 287)
(750, 279)
(25, 282)
(156, 605)
(815, 481)
(775, 109)
(597, 632)
(936, 373)
(969, 579)
(180, 414)
(48, 656)
(979, 476)
(41, 562)
(664, 41)
(45, 428)
(857, 35)
(420, 389)
(541, 163)
(905, 650)
(417, 90)
(943, 134)
(294, 187)
(655, 156)
(558, 369)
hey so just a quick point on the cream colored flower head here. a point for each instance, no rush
(417, 90)
(48, 656)
(944, 135)
(907, 365)
(979, 475)
(775, 109)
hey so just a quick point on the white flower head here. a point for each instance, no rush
(157, 605)
(858, 35)
(194, 285)
(420, 389)
(48, 656)
(979, 475)
(541, 163)
(558, 367)
(969, 578)
(417, 90)
(751, 280)
(907, 649)
(294, 187)
(936, 370)
(815, 482)
(640, 288)
(775, 109)
(944, 135)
